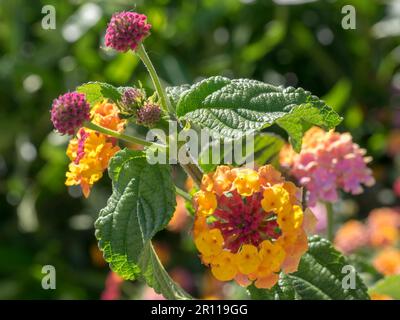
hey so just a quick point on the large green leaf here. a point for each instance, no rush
(142, 203)
(235, 108)
(389, 286)
(156, 277)
(98, 91)
(174, 93)
(319, 277)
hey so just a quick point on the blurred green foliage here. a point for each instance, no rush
(43, 222)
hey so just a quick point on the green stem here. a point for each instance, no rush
(165, 103)
(191, 169)
(194, 172)
(183, 193)
(329, 226)
(115, 134)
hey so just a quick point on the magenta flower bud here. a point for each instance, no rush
(69, 111)
(148, 115)
(132, 98)
(126, 30)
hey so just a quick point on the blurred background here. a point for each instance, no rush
(283, 42)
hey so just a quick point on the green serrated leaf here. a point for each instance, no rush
(156, 277)
(98, 91)
(389, 286)
(235, 108)
(302, 117)
(319, 277)
(260, 294)
(283, 290)
(174, 93)
(142, 203)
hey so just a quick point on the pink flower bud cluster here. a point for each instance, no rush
(126, 30)
(148, 115)
(69, 111)
(328, 161)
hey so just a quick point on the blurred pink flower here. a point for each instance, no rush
(351, 236)
(149, 294)
(112, 287)
(396, 187)
(328, 161)
(381, 229)
(319, 211)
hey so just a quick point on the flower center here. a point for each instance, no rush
(242, 220)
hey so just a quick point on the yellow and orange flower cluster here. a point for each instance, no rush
(249, 225)
(91, 151)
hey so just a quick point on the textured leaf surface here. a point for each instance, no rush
(234, 108)
(319, 277)
(174, 93)
(142, 203)
(98, 91)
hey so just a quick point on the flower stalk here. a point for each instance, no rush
(165, 103)
(191, 169)
(329, 225)
(194, 172)
(183, 194)
(115, 134)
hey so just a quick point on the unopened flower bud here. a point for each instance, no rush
(148, 115)
(126, 30)
(69, 111)
(131, 100)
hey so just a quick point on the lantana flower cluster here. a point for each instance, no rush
(249, 225)
(126, 31)
(90, 151)
(328, 161)
(381, 231)
(69, 112)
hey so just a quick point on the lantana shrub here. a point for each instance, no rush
(251, 223)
